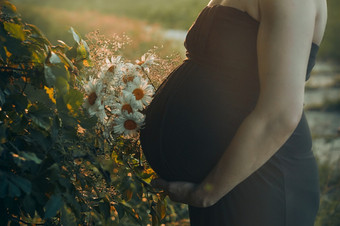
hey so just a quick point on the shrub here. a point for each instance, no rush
(55, 166)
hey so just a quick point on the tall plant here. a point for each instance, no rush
(55, 165)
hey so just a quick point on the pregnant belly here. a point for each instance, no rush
(193, 121)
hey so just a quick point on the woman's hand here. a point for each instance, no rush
(183, 192)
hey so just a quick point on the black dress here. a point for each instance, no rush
(196, 112)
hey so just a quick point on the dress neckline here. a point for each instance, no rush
(247, 15)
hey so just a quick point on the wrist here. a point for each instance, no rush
(203, 195)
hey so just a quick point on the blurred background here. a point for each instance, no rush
(163, 23)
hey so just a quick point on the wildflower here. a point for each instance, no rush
(111, 72)
(128, 124)
(146, 61)
(141, 90)
(93, 102)
(113, 64)
(127, 104)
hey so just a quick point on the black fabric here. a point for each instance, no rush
(196, 112)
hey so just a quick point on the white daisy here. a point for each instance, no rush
(146, 61)
(130, 71)
(128, 124)
(111, 72)
(127, 103)
(128, 78)
(93, 102)
(141, 90)
(112, 65)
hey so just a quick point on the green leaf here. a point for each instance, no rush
(49, 76)
(19, 124)
(29, 205)
(55, 72)
(37, 56)
(3, 53)
(76, 36)
(3, 134)
(22, 183)
(53, 205)
(72, 53)
(86, 46)
(82, 53)
(71, 201)
(131, 212)
(54, 58)
(105, 209)
(62, 45)
(74, 98)
(67, 216)
(155, 218)
(30, 156)
(15, 30)
(19, 101)
(55, 129)
(20, 53)
(39, 96)
(36, 33)
(2, 98)
(62, 85)
(40, 115)
(161, 209)
(13, 190)
(88, 122)
(120, 209)
(3, 186)
(66, 61)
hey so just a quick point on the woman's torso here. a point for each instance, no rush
(197, 110)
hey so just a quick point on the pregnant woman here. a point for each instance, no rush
(226, 132)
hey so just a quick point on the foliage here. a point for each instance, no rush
(329, 213)
(55, 166)
(330, 46)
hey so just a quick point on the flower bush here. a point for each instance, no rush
(68, 153)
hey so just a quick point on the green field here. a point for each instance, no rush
(175, 14)
(171, 14)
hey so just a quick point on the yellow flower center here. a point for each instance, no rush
(92, 98)
(141, 62)
(111, 69)
(127, 107)
(127, 78)
(139, 94)
(130, 124)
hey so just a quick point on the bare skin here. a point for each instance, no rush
(284, 43)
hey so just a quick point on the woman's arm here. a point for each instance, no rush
(284, 41)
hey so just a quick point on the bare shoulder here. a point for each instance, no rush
(298, 13)
(287, 9)
(321, 21)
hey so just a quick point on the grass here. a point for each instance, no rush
(171, 14)
(329, 212)
(55, 23)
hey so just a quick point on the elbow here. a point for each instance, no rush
(285, 122)
(290, 119)
(281, 122)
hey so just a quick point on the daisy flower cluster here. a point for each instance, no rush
(118, 93)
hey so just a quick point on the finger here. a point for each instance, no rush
(159, 183)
